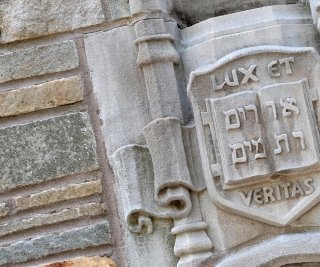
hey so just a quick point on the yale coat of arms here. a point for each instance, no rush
(256, 114)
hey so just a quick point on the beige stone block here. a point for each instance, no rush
(3, 209)
(84, 262)
(36, 97)
(57, 194)
(25, 19)
(16, 225)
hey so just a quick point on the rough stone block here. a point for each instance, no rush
(38, 60)
(3, 209)
(25, 19)
(16, 225)
(53, 243)
(57, 194)
(36, 97)
(46, 149)
(84, 262)
(119, 9)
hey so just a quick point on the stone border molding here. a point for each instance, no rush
(284, 249)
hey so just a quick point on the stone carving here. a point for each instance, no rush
(264, 127)
(134, 168)
(287, 248)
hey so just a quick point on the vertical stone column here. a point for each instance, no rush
(156, 57)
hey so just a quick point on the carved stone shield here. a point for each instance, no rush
(256, 113)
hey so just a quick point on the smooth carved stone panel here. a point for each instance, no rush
(23, 19)
(46, 149)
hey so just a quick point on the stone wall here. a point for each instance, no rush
(57, 199)
(121, 125)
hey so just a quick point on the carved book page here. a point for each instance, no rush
(241, 137)
(288, 119)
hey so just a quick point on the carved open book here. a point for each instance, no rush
(264, 132)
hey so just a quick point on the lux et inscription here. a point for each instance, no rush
(279, 192)
(243, 76)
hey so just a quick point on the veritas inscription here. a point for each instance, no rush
(278, 192)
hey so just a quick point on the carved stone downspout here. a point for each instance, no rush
(156, 57)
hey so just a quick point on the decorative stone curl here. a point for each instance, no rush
(136, 180)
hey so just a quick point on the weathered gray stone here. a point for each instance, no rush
(119, 9)
(17, 225)
(238, 22)
(24, 19)
(194, 12)
(38, 60)
(208, 42)
(46, 149)
(57, 195)
(3, 209)
(53, 243)
(42, 96)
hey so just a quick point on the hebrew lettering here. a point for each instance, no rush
(239, 154)
(260, 149)
(242, 111)
(248, 145)
(299, 134)
(253, 107)
(289, 106)
(274, 121)
(232, 119)
(273, 108)
(279, 138)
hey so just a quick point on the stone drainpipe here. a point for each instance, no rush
(156, 57)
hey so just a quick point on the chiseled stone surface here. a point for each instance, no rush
(41, 96)
(16, 225)
(24, 19)
(46, 149)
(52, 243)
(39, 60)
(3, 209)
(57, 194)
(84, 262)
(119, 8)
